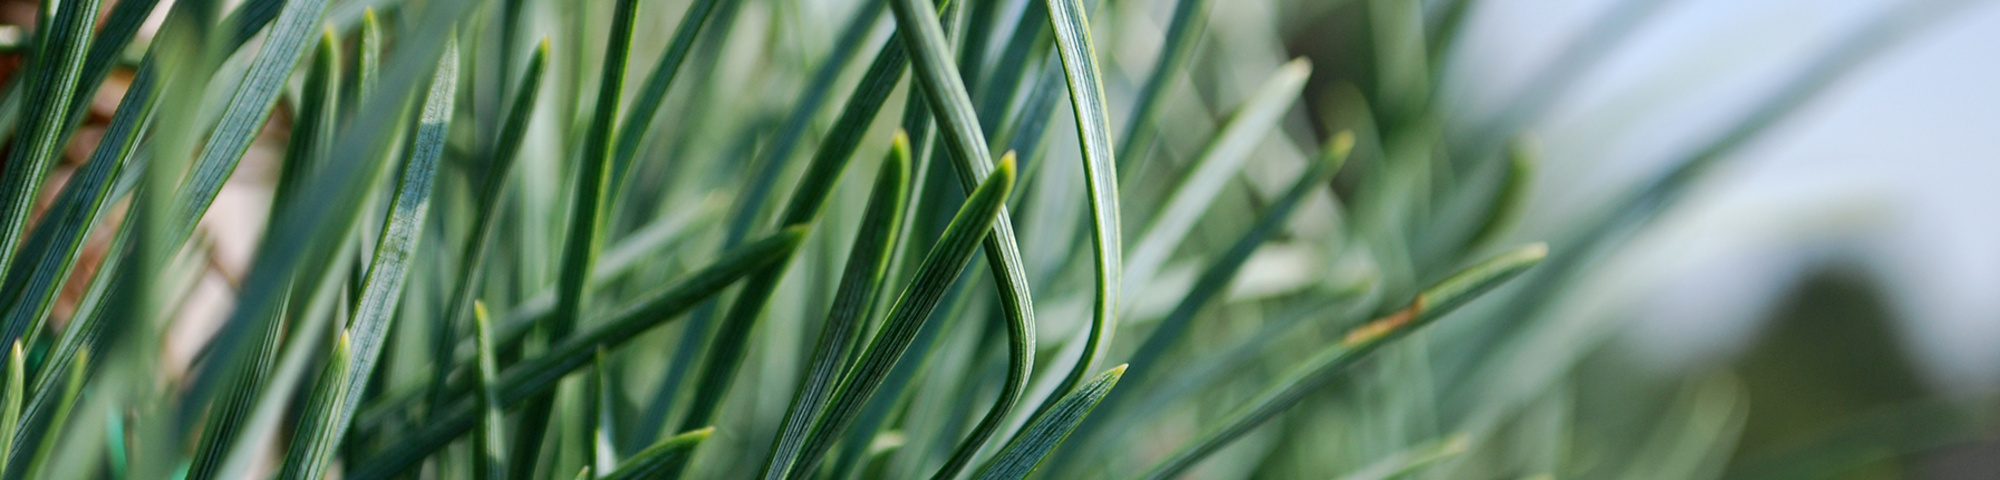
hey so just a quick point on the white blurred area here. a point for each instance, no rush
(1893, 171)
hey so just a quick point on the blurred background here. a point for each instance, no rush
(1871, 192)
(1840, 264)
(1774, 224)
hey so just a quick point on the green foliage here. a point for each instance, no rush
(491, 436)
(859, 280)
(59, 59)
(654, 462)
(1049, 430)
(662, 260)
(367, 333)
(899, 328)
(1325, 366)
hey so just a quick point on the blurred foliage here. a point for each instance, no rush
(725, 239)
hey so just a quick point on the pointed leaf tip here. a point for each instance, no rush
(1005, 167)
(895, 170)
(1343, 143)
(1457, 444)
(793, 235)
(1298, 66)
(898, 158)
(1535, 252)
